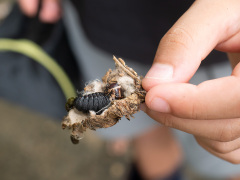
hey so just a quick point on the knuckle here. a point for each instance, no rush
(218, 147)
(226, 133)
(196, 110)
(221, 147)
(194, 114)
(180, 36)
(166, 121)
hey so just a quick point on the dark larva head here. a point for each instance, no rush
(74, 141)
(69, 104)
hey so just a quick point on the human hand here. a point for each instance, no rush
(50, 11)
(211, 110)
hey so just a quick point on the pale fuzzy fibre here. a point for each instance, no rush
(76, 116)
(93, 113)
(96, 86)
(127, 84)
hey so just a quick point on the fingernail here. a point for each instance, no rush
(159, 105)
(160, 71)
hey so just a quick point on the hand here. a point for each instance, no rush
(211, 110)
(50, 11)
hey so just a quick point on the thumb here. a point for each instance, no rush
(191, 39)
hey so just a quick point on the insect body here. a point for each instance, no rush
(97, 101)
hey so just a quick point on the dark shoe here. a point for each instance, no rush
(135, 175)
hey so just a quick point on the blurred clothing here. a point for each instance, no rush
(132, 29)
(26, 82)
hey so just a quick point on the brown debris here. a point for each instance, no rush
(129, 81)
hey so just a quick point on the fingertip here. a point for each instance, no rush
(172, 98)
(148, 83)
(50, 12)
(29, 7)
(156, 101)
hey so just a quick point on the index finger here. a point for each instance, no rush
(213, 99)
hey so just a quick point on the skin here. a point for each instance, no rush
(50, 11)
(209, 111)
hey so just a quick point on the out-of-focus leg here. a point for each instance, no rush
(157, 153)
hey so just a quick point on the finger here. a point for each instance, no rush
(231, 45)
(234, 59)
(29, 7)
(220, 147)
(233, 157)
(213, 99)
(50, 11)
(191, 39)
(223, 130)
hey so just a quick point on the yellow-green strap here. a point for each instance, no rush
(35, 52)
